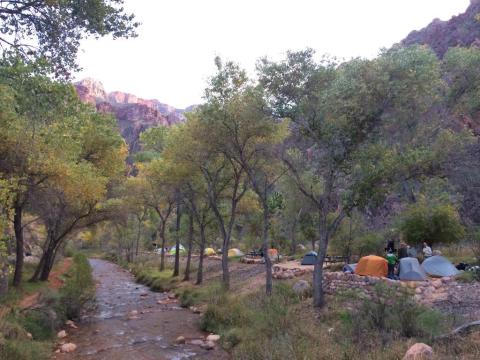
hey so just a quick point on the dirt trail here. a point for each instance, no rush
(112, 331)
(54, 282)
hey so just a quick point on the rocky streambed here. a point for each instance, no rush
(132, 322)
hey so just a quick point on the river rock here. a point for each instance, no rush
(180, 340)
(301, 287)
(419, 351)
(71, 324)
(68, 348)
(29, 336)
(213, 337)
(208, 345)
(62, 334)
(197, 342)
(133, 315)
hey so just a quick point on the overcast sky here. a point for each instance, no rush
(178, 39)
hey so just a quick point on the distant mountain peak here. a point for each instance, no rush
(133, 114)
(460, 30)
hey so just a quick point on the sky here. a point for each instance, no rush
(172, 57)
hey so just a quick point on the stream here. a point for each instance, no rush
(129, 323)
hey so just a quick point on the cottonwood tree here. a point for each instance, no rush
(182, 155)
(225, 179)
(52, 30)
(75, 196)
(37, 125)
(344, 157)
(254, 136)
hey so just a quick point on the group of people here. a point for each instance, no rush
(404, 251)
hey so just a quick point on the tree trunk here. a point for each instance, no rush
(318, 296)
(225, 272)
(138, 236)
(162, 252)
(18, 229)
(39, 269)
(190, 247)
(48, 258)
(3, 276)
(265, 246)
(293, 248)
(202, 254)
(176, 269)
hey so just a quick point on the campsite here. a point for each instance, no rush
(245, 180)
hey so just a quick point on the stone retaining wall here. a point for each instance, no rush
(425, 292)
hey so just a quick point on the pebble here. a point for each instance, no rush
(213, 337)
(180, 340)
(62, 334)
(208, 345)
(68, 348)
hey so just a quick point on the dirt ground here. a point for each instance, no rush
(54, 282)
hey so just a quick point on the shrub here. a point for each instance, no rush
(371, 243)
(435, 223)
(24, 350)
(392, 313)
(79, 287)
(41, 323)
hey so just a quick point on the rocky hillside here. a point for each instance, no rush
(133, 114)
(461, 30)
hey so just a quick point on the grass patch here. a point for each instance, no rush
(79, 287)
(25, 350)
(194, 295)
(155, 279)
(284, 326)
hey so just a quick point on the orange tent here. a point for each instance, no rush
(372, 266)
(273, 253)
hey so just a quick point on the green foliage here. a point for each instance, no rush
(461, 66)
(79, 287)
(392, 313)
(51, 31)
(192, 296)
(24, 350)
(156, 280)
(370, 243)
(436, 223)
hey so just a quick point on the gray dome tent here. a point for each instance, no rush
(310, 258)
(349, 268)
(411, 270)
(439, 266)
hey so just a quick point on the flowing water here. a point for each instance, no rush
(114, 331)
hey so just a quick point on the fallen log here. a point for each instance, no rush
(459, 330)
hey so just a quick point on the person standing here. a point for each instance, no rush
(392, 261)
(427, 251)
(402, 251)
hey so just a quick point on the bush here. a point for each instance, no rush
(24, 350)
(79, 287)
(435, 223)
(371, 243)
(390, 314)
(41, 323)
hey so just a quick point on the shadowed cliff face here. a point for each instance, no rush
(133, 114)
(461, 30)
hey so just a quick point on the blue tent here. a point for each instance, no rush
(349, 268)
(310, 258)
(439, 266)
(411, 270)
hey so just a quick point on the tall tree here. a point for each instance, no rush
(52, 30)
(346, 113)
